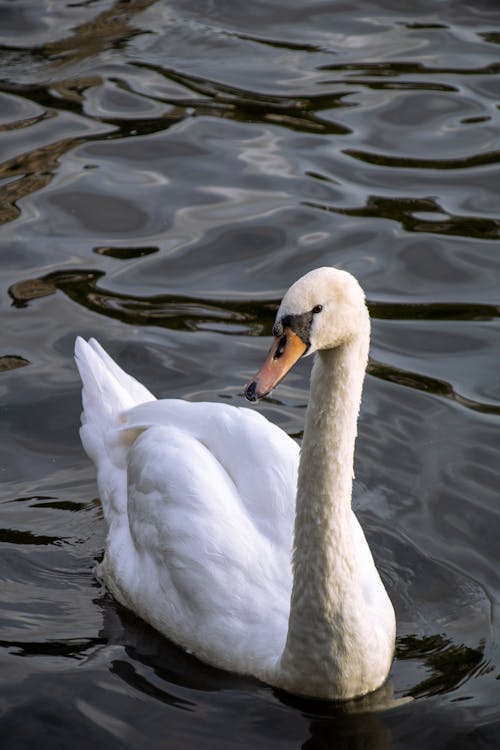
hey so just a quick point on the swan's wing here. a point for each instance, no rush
(197, 568)
(208, 562)
(259, 458)
(199, 501)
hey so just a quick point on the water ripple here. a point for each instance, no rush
(396, 69)
(405, 162)
(406, 212)
(221, 100)
(421, 382)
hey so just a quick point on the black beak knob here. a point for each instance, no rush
(251, 391)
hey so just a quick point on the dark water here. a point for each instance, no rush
(167, 170)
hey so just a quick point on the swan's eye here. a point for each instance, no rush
(317, 309)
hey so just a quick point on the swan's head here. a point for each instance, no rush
(322, 310)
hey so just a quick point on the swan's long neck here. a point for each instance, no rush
(327, 622)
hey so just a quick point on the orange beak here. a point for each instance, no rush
(284, 353)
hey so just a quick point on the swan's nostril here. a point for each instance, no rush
(280, 349)
(251, 391)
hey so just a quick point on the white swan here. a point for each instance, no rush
(200, 501)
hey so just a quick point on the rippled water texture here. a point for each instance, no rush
(167, 169)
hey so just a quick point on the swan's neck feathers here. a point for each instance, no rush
(330, 644)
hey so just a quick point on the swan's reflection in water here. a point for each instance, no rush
(161, 674)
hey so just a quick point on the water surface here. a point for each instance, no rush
(166, 171)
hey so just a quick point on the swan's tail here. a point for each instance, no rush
(107, 392)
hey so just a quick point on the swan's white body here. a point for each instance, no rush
(201, 500)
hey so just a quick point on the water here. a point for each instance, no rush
(167, 170)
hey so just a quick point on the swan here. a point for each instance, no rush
(224, 536)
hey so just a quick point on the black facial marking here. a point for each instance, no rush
(299, 324)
